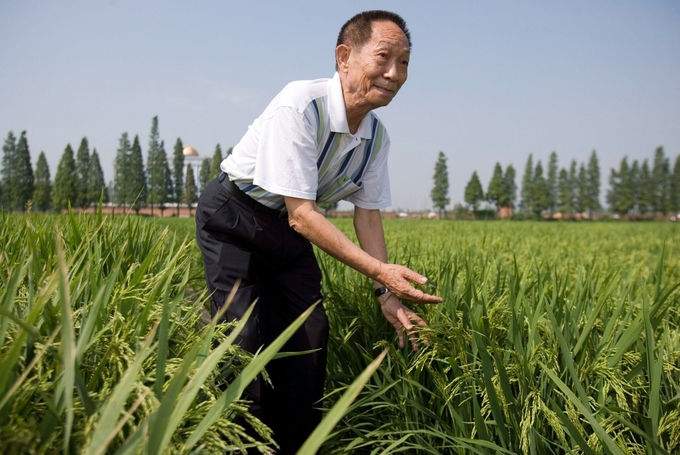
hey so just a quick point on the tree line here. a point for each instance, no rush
(80, 183)
(635, 189)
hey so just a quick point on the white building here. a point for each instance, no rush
(192, 157)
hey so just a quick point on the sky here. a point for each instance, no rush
(489, 81)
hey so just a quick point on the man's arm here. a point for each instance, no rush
(369, 229)
(305, 218)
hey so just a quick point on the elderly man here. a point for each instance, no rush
(317, 141)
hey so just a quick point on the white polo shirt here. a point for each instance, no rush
(301, 147)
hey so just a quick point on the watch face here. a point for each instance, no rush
(380, 291)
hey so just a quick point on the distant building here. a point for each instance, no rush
(192, 157)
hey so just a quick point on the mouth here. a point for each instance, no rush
(384, 90)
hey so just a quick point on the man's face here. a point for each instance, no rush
(377, 71)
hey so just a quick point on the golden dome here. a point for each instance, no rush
(189, 151)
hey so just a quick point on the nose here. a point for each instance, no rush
(391, 71)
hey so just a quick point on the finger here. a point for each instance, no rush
(414, 276)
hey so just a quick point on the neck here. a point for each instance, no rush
(355, 109)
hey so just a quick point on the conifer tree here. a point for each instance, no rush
(440, 189)
(646, 189)
(593, 184)
(154, 169)
(552, 183)
(509, 188)
(83, 175)
(96, 182)
(495, 192)
(138, 187)
(204, 176)
(160, 180)
(178, 173)
(42, 193)
(65, 190)
(582, 201)
(565, 197)
(527, 184)
(215, 163)
(190, 191)
(474, 193)
(9, 150)
(675, 188)
(121, 165)
(633, 182)
(539, 191)
(661, 182)
(24, 180)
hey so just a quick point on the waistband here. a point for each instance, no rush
(235, 191)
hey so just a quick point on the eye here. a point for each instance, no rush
(382, 55)
(404, 62)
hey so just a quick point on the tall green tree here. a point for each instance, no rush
(17, 172)
(178, 173)
(675, 187)
(510, 188)
(96, 182)
(190, 196)
(661, 173)
(121, 168)
(215, 162)
(42, 192)
(620, 196)
(633, 185)
(65, 189)
(474, 193)
(154, 169)
(495, 192)
(160, 183)
(83, 175)
(204, 176)
(138, 186)
(593, 184)
(9, 151)
(527, 191)
(565, 197)
(552, 183)
(646, 189)
(440, 189)
(582, 198)
(539, 191)
(573, 179)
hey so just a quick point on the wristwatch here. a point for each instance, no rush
(380, 291)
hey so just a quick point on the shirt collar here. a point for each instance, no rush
(338, 115)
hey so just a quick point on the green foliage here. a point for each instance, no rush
(552, 183)
(178, 172)
(104, 347)
(593, 183)
(661, 174)
(160, 180)
(552, 338)
(83, 176)
(509, 188)
(674, 187)
(566, 193)
(17, 173)
(582, 201)
(474, 193)
(215, 163)
(496, 190)
(540, 197)
(65, 190)
(137, 187)
(190, 191)
(645, 185)
(97, 183)
(440, 188)
(204, 176)
(42, 193)
(527, 192)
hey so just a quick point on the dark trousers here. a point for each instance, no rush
(278, 265)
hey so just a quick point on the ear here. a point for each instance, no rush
(342, 53)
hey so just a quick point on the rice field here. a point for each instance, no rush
(552, 338)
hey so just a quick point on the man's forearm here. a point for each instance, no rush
(312, 225)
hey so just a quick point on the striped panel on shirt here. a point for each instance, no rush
(339, 176)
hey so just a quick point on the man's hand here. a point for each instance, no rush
(403, 320)
(398, 278)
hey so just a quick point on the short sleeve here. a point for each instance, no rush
(287, 154)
